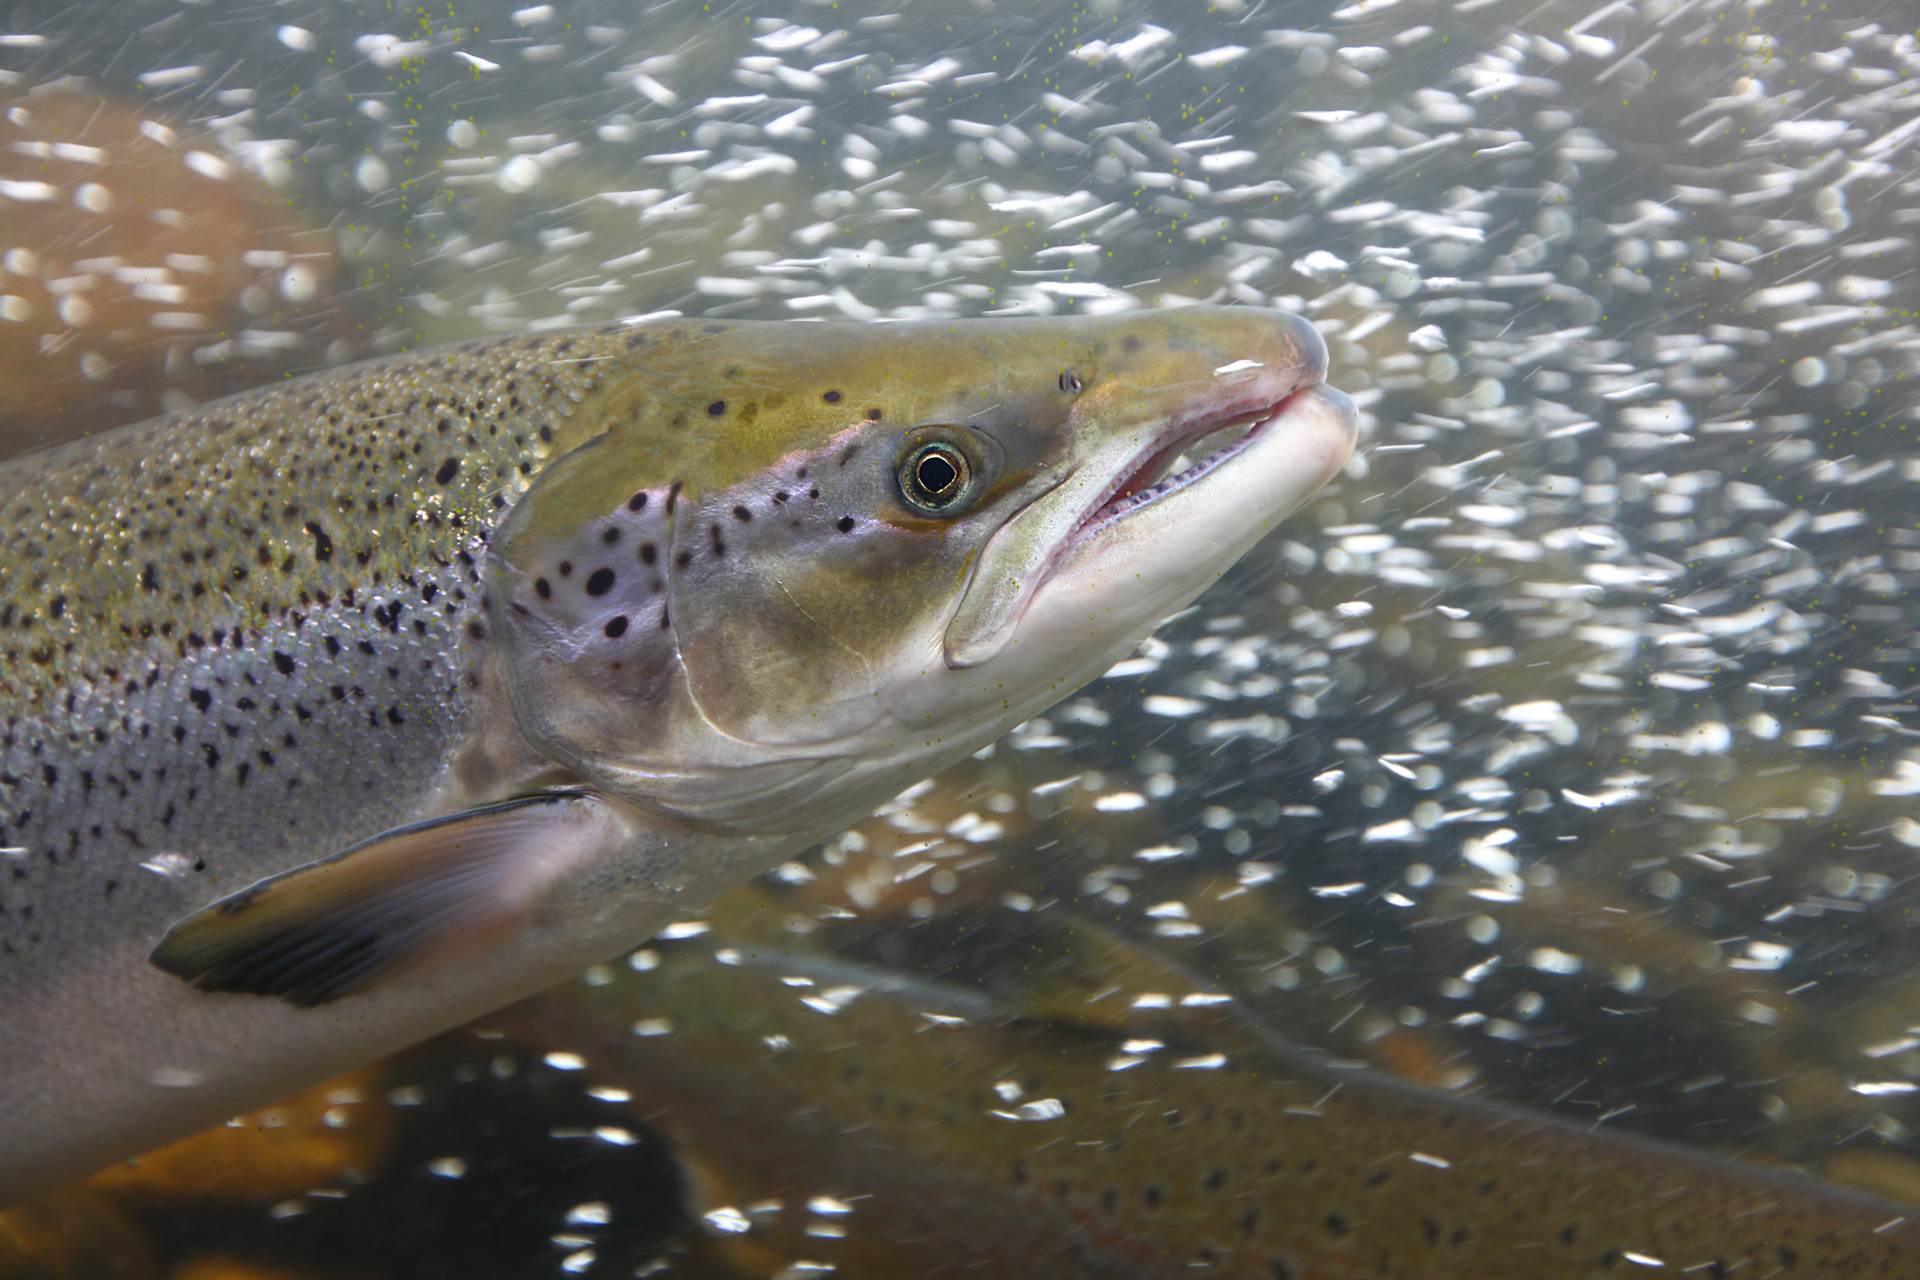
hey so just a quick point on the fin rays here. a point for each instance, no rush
(407, 897)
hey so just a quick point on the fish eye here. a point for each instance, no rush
(1070, 381)
(935, 477)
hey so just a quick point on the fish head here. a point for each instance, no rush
(800, 566)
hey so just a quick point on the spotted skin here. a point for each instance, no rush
(1263, 1164)
(217, 625)
(666, 567)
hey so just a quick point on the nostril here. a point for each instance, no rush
(1305, 349)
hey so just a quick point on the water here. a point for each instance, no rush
(1563, 751)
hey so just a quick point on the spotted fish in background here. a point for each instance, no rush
(1116, 1119)
(341, 712)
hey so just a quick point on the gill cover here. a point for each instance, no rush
(735, 584)
(577, 596)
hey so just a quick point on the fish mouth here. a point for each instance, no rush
(1185, 452)
(1251, 432)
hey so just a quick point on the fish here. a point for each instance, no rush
(1112, 1114)
(343, 711)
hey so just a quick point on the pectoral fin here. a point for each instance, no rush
(408, 897)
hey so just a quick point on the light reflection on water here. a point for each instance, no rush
(1563, 750)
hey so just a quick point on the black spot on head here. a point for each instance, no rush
(742, 514)
(648, 553)
(543, 588)
(566, 568)
(610, 535)
(448, 470)
(844, 524)
(600, 581)
(717, 408)
(283, 662)
(683, 559)
(638, 502)
(831, 397)
(874, 415)
(616, 627)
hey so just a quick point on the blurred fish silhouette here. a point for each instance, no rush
(1119, 1117)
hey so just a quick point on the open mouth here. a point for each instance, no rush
(1178, 480)
(1192, 450)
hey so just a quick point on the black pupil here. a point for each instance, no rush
(937, 474)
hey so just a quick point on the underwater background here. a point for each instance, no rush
(1563, 752)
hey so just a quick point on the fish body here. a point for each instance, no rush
(962, 1133)
(338, 713)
